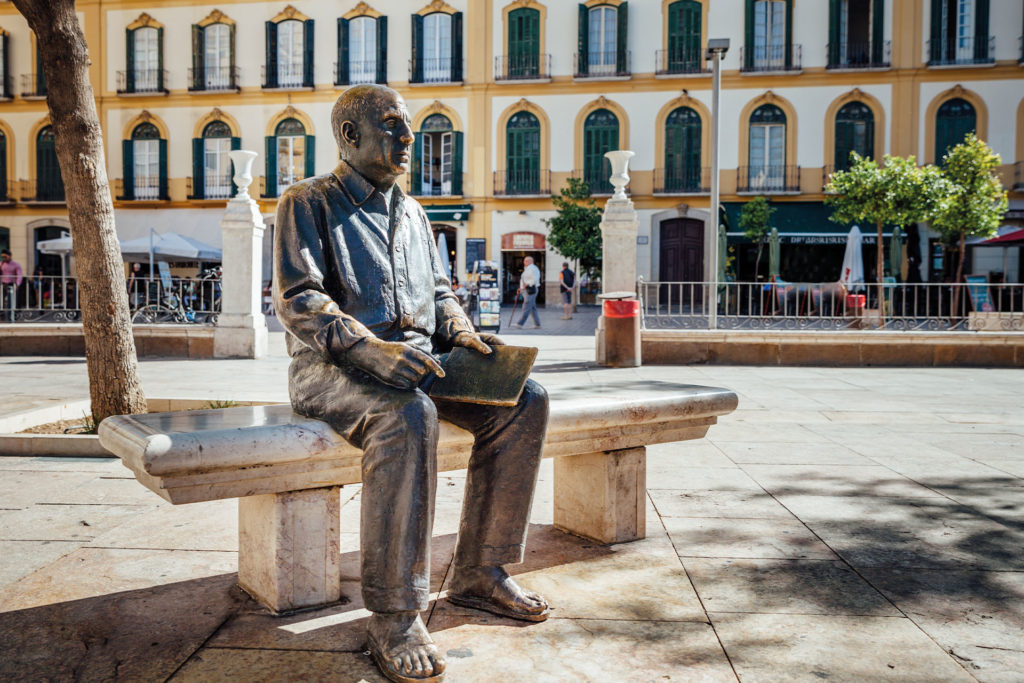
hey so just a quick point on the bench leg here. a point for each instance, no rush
(289, 554)
(602, 496)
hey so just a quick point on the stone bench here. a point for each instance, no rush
(287, 471)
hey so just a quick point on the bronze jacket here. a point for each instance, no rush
(344, 271)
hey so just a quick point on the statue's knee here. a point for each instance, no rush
(418, 410)
(535, 397)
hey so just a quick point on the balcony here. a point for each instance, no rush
(33, 88)
(682, 181)
(287, 77)
(213, 187)
(46, 191)
(962, 52)
(680, 63)
(361, 72)
(522, 67)
(770, 59)
(437, 70)
(142, 82)
(603, 65)
(214, 79)
(531, 183)
(1018, 176)
(768, 180)
(597, 179)
(142, 190)
(859, 56)
(6, 91)
(8, 192)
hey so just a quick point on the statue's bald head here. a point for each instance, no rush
(358, 104)
(372, 127)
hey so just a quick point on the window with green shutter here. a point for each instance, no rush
(522, 147)
(855, 132)
(960, 32)
(49, 184)
(767, 152)
(954, 120)
(211, 164)
(600, 135)
(523, 43)
(213, 57)
(682, 151)
(148, 163)
(435, 158)
(684, 53)
(288, 156)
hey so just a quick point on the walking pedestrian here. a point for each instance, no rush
(566, 281)
(11, 276)
(529, 285)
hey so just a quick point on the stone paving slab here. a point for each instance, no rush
(843, 524)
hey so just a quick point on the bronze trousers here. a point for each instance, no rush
(397, 432)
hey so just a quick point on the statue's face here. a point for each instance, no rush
(383, 146)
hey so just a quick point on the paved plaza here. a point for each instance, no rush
(850, 524)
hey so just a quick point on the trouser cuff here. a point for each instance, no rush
(396, 599)
(491, 555)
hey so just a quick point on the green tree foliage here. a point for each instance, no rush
(575, 230)
(899, 193)
(976, 199)
(755, 217)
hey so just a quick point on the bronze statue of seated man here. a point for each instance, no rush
(359, 287)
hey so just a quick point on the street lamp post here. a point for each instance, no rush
(716, 49)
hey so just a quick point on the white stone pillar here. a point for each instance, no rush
(241, 327)
(619, 227)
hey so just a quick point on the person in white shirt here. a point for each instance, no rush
(529, 286)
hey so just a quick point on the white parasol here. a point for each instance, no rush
(442, 251)
(852, 274)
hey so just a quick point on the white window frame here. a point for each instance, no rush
(296, 167)
(290, 52)
(146, 49)
(445, 172)
(146, 168)
(216, 167)
(437, 48)
(217, 56)
(769, 34)
(603, 37)
(767, 156)
(362, 50)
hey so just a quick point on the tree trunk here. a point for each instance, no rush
(959, 275)
(114, 385)
(757, 261)
(880, 275)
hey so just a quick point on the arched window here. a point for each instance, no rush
(954, 120)
(144, 60)
(600, 135)
(211, 165)
(523, 43)
(145, 164)
(855, 132)
(684, 53)
(436, 48)
(49, 184)
(522, 148)
(5, 195)
(290, 156)
(767, 154)
(682, 151)
(437, 158)
(213, 57)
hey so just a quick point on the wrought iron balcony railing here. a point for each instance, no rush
(522, 67)
(6, 90)
(533, 182)
(33, 85)
(287, 76)
(142, 190)
(437, 70)
(859, 55)
(8, 192)
(689, 60)
(142, 81)
(768, 179)
(597, 179)
(965, 51)
(214, 79)
(46, 190)
(358, 72)
(682, 180)
(212, 187)
(602, 64)
(767, 58)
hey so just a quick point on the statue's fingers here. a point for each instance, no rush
(474, 342)
(492, 339)
(428, 362)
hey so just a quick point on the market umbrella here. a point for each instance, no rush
(852, 274)
(442, 251)
(169, 246)
(60, 246)
(896, 252)
(773, 254)
(723, 257)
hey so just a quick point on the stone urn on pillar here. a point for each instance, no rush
(241, 327)
(618, 265)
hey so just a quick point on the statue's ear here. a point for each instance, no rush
(350, 133)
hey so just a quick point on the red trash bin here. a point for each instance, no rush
(622, 333)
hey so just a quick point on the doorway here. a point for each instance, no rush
(512, 269)
(450, 246)
(681, 259)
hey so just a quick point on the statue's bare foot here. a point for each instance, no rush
(493, 590)
(403, 649)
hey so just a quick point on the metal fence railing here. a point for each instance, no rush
(828, 306)
(522, 67)
(522, 183)
(55, 299)
(767, 179)
(859, 55)
(602, 64)
(762, 58)
(213, 78)
(142, 81)
(685, 180)
(688, 59)
(961, 51)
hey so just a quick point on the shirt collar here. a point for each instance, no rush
(359, 189)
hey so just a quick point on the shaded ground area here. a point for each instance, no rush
(844, 524)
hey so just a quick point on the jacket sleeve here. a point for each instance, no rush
(448, 313)
(302, 303)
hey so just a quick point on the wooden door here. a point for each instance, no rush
(682, 260)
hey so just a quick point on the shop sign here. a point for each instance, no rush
(522, 241)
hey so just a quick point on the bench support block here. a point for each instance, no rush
(289, 554)
(602, 496)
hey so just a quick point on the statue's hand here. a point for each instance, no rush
(394, 363)
(477, 341)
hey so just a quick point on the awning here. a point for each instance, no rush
(448, 212)
(1009, 239)
(802, 223)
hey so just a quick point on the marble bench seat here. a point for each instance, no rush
(287, 469)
